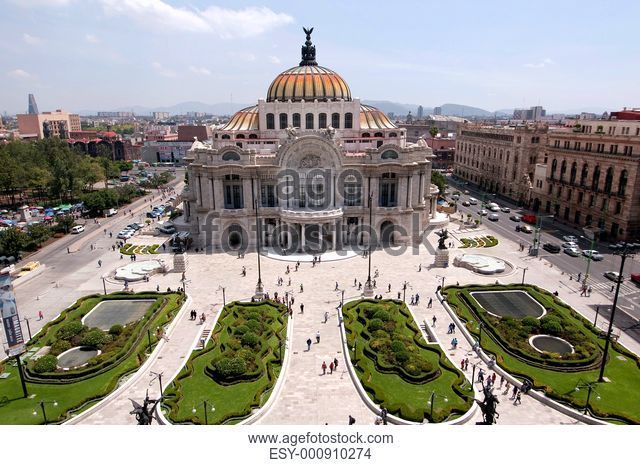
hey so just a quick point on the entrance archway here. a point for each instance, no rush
(386, 233)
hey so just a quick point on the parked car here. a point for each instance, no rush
(455, 196)
(77, 229)
(505, 210)
(612, 275)
(515, 218)
(531, 219)
(126, 234)
(593, 254)
(494, 208)
(569, 245)
(466, 203)
(570, 239)
(466, 192)
(524, 228)
(473, 201)
(483, 212)
(135, 226)
(573, 252)
(494, 217)
(110, 211)
(635, 277)
(153, 214)
(551, 248)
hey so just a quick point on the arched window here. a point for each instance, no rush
(378, 134)
(253, 136)
(393, 134)
(574, 172)
(239, 136)
(271, 124)
(596, 178)
(309, 121)
(226, 136)
(230, 156)
(584, 174)
(388, 195)
(622, 183)
(322, 120)
(348, 120)
(608, 180)
(232, 187)
(296, 120)
(284, 121)
(335, 120)
(389, 154)
(554, 167)
(563, 169)
(366, 134)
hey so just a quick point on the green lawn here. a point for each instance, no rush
(619, 399)
(402, 383)
(74, 395)
(233, 398)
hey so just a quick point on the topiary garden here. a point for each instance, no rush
(397, 368)
(123, 350)
(237, 369)
(558, 375)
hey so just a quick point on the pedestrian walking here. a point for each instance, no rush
(383, 414)
(579, 276)
(514, 392)
(331, 368)
(419, 268)
(99, 263)
(501, 381)
(317, 337)
(336, 286)
(434, 319)
(466, 364)
(359, 285)
(301, 308)
(481, 375)
(493, 378)
(352, 421)
(518, 400)
(324, 368)
(158, 288)
(355, 282)
(308, 344)
(40, 315)
(389, 288)
(430, 304)
(301, 288)
(335, 363)
(462, 364)
(326, 316)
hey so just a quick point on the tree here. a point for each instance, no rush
(433, 130)
(12, 241)
(439, 180)
(38, 233)
(65, 223)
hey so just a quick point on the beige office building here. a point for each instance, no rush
(48, 124)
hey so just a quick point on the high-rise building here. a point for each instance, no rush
(420, 111)
(437, 111)
(48, 124)
(33, 106)
(532, 114)
(160, 115)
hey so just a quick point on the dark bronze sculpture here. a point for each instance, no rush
(443, 237)
(46, 129)
(145, 413)
(488, 407)
(308, 50)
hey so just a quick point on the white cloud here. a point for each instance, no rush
(31, 40)
(19, 74)
(274, 59)
(541, 64)
(91, 39)
(225, 22)
(162, 71)
(199, 70)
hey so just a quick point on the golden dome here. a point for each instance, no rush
(372, 118)
(244, 120)
(308, 81)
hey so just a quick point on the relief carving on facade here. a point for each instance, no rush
(310, 161)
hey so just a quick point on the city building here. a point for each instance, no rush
(48, 124)
(592, 175)
(422, 128)
(33, 106)
(160, 115)
(420, 111)
(307, 163)
(500, 159)
(191, 132)
(437, 111)
(115, 114)
(536, 113)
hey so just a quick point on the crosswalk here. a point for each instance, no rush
(626, 289)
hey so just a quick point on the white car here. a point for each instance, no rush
(126, 234)
(505, 210)
(573, 252)
(612, 275)
(483, 212)
(570, 239)
(494, 208)
(593, 254)
(473, 201)
(569, 245)
(77, 229)
(494, 217)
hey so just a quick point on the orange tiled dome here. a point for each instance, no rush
(308, 82)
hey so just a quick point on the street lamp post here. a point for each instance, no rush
(342, 299)
(149, 340)
(538, 235)
(404, 291)
(104, 285)
(524, 270)
(624, 249)
(224, 298)
(368, 290)
(595, 320)
(591, 386)
(26, 320)
(259, 288)
(44, 411)
(591, 247)
(205, 404)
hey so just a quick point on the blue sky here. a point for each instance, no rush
(104, 54)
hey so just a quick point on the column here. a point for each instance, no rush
(320, 228)
(263, 230)
(409, 184)
(212, 194)
(335, 234)
(302, 231)
(219, 192)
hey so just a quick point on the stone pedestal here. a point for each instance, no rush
(180, 263)
(259, 295)
(441, 258)
(368, 290)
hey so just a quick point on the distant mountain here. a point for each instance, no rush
(225, 108)
(399, 109)
(448, 109)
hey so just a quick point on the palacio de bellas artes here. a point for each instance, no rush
(312, 168)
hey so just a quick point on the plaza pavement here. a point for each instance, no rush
(308, 397)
